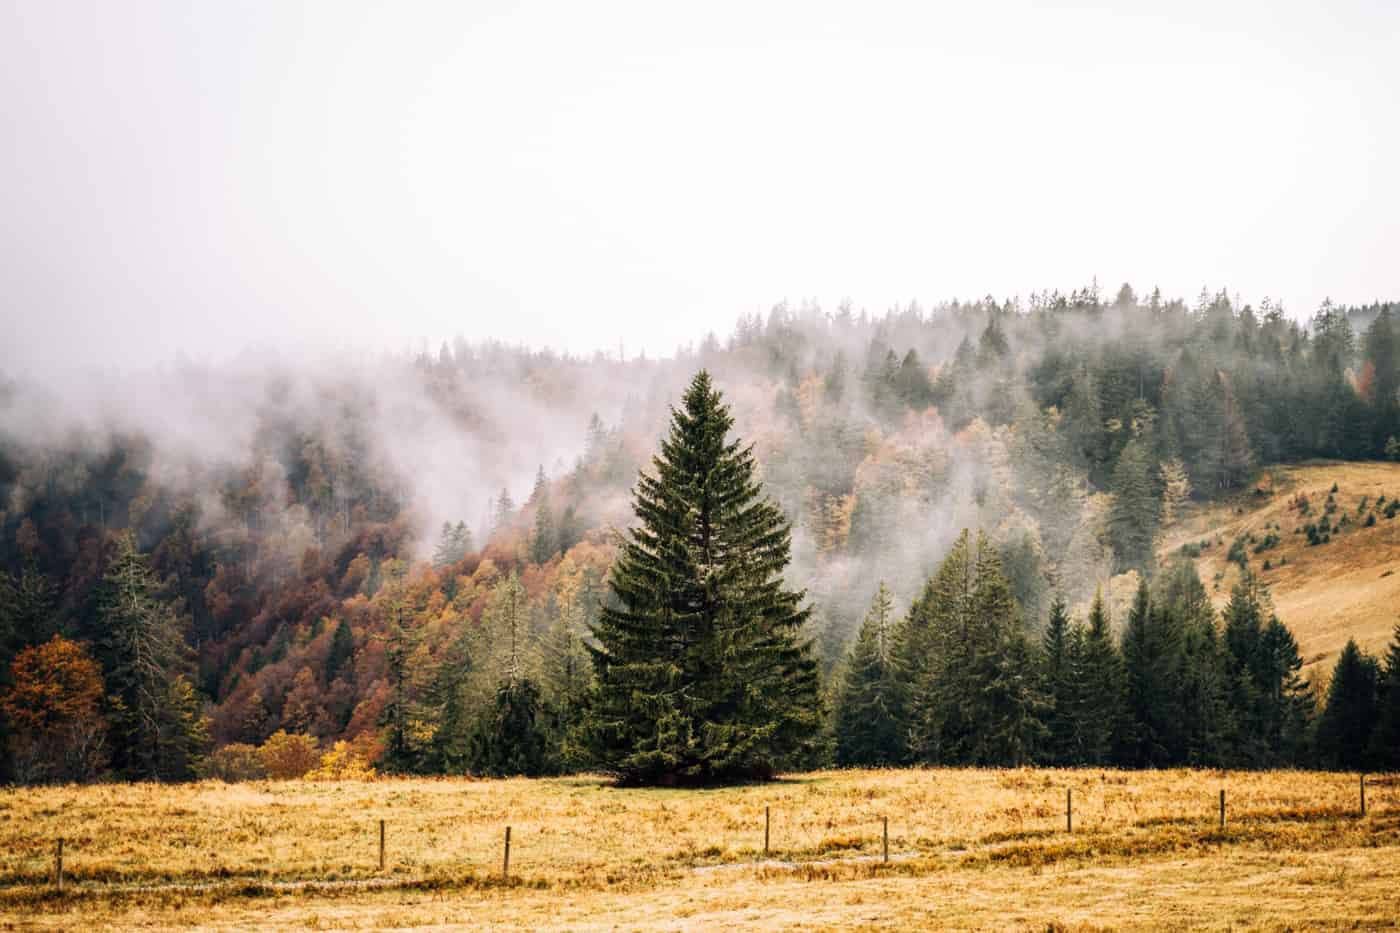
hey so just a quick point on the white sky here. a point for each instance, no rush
(197, 177)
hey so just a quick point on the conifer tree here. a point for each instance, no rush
(869, 709)
(402, 716)
(544, 543)
(973, 696)
(1102, 711)
(142, 654)
(700, 671)
(1349, 714)
(1006, 720)
(1385, 741)
(1152, 661)
(1061, 685)
(341, 653)
(1132, 522)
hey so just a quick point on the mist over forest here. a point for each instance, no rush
(299, 517)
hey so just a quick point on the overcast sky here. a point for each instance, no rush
(197, 177)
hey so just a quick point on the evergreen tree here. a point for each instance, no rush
(1102, 712)
(544, 543)
(402, 716)
(1385, 741)
(183, 732)
(27, 614)
(142, 654)
(700, 673)
(341, 653)
(869, 720)
(1349, 713)
(570, 528)
(972, 679)
(1207, 723)
(1152, 661)
(1061, 686)
(442, 554)
(1132, 522)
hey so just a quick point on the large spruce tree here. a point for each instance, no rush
(701, 671)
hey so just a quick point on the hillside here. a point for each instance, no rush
(1326, 593)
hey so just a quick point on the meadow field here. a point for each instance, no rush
(966, 849)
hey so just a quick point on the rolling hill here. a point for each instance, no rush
(1347, 585)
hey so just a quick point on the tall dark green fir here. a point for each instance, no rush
(702, 673)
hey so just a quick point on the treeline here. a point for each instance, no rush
(294, 573)
(962, 680)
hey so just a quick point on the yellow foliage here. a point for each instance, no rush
(287, 756)
(346, 761)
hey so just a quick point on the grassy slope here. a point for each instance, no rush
(1349, 588)
(970, 848)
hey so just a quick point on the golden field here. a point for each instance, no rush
(1347, 588)
(968, 849)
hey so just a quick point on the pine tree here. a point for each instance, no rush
(700, 673)
(544, 543)
(26, 609)
(971, 678)
(1349, 714)
(1061, 684)
(341, 653)
(442, 554)
(183, 732)
(1207, 723)
(142, 654)
(869, 712)
(402, 715)
(933, 655)
(1006, 717)
(1385, 741)
(1152, 661)
(1102, 712)
(1132, 522)
(570, 528)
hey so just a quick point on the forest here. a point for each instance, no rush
(405, 563)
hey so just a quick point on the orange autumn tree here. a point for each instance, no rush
(54, 713)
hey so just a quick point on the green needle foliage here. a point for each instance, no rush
(701, 672)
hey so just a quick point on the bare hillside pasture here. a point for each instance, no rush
(585, 855)
(1348, 587)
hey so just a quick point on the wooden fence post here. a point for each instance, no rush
(765, 830)
(1069, 809)
(887, 838)
(505, 862)
(58, 866)
(1222, 808)
(1363, 795)
(381, 845)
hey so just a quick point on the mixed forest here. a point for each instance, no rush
(484, 559)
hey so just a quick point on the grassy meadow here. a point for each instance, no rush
(967, 848)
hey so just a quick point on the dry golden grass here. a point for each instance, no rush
(968, 848)
(1349, 588)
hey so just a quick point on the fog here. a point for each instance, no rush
(326, 178)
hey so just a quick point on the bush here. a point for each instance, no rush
(348, 761)
(1238, 554)
(287, 756)
(233, 763)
